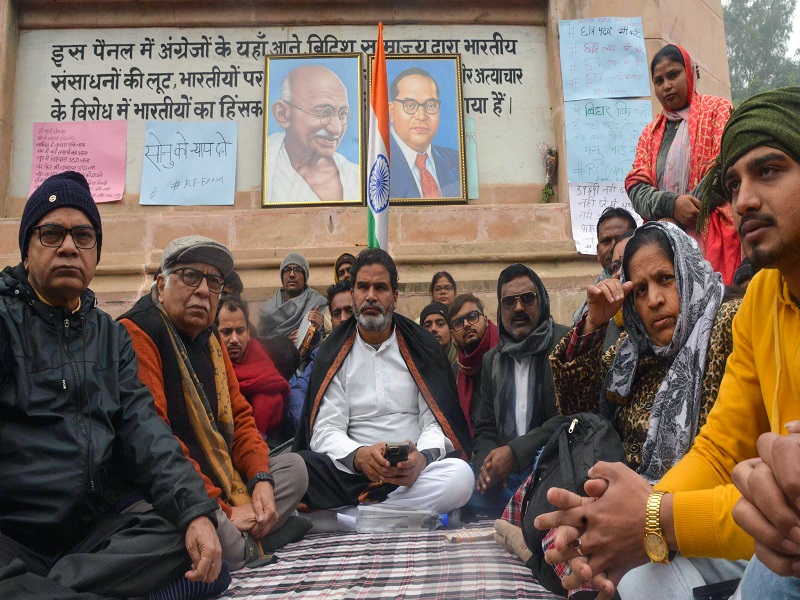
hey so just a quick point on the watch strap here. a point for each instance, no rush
(258, 478)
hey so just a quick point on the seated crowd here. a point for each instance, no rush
(182, 441)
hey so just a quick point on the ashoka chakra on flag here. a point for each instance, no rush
(378, 187)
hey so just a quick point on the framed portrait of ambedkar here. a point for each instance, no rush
(426, 135)
(313, 124)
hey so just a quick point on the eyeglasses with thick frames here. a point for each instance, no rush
(510, 302)
(443, 288)
(194, 277)
(411, 106)
(295, 270)
(83, 236)
(471, 317)
(325, 114)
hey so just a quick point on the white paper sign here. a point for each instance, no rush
(189, 163)
(587, 201)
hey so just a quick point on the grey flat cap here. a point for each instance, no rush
(196, 248)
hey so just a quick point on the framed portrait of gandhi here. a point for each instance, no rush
(426, 136)
(313, 124)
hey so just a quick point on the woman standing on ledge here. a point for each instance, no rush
(675, 151)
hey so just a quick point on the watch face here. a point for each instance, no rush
(656, 547)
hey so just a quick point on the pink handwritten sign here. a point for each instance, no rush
(96, 149)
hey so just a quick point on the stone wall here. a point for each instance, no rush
(505, 224)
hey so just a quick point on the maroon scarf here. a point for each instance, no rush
(469, 365)
(262, 386)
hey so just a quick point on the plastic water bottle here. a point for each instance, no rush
(374, 519)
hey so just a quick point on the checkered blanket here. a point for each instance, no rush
(381, 565)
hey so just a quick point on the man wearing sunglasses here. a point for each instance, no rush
(78, 426)
(184, 363)
(517, 394)
(303, 164)
(420, 169)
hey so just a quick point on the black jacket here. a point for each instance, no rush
(487, 422)
(75, 421)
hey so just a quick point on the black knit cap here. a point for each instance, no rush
(434, 308)
(67, 189)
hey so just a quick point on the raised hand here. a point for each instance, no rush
(603, 301)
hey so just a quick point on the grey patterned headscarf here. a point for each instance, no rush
(676, 406)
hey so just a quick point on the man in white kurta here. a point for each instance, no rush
(373, 398)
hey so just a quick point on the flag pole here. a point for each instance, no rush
(378, 153)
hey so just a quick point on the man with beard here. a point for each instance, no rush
(379, 378)
(302, 163)
(474, 335)
(696, 508)
(517, 394)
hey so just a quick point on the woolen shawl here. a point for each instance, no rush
(279, 317)
(469, 365)
(676, 406)
(536, 346)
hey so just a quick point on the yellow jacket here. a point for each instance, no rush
(760, 392)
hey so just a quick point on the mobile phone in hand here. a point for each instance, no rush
(397, 452)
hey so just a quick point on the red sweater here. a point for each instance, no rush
(265, 389)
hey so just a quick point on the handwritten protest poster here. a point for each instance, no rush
(189, 163)
(95, 149)
(603, 58)
(601, 137)
(587, 201)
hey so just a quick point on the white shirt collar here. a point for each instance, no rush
(386, 344)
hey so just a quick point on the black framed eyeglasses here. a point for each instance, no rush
(510, 301)
(83, 236)
(295, 270)
(443, 288)
(411, 106)
(325, 114)
(194, 277)
(471, 317)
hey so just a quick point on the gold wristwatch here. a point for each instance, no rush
(655, 544)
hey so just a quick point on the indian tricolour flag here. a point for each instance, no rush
(378, 153)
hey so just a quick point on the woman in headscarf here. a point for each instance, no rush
(674, 153)
(658, 383)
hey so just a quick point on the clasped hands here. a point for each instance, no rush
(370, 461)
(769, 509)
(610, 524)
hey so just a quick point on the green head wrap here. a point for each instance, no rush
(769, 119)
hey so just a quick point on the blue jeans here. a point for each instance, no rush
(494, 501)
(759, 582)
(676, 580)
